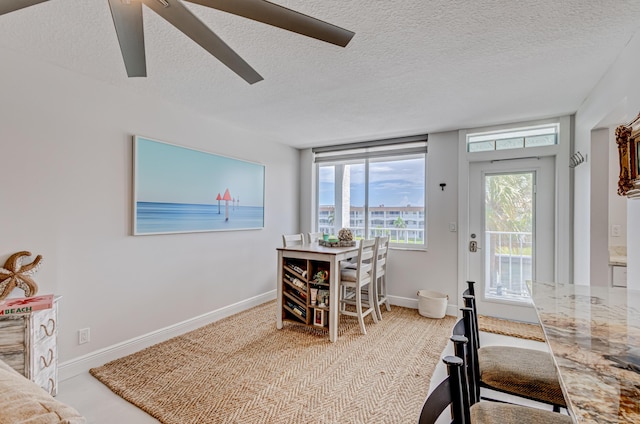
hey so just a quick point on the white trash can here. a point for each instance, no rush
(432, 304)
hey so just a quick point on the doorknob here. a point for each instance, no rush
(473, 246)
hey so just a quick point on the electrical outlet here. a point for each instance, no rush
(84, 335)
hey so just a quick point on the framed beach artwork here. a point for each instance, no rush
(183, 190)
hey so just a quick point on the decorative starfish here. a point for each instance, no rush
(15, 274)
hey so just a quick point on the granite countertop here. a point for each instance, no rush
(585, 326)
(618, 255)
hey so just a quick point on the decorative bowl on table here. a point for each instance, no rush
(344, 239)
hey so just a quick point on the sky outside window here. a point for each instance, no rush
(391, 183)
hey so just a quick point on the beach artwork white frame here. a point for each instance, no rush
(177, 189)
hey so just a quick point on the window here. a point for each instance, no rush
(513, 139)
(509, 238)
(374, 189)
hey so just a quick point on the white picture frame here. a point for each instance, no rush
(318, 317)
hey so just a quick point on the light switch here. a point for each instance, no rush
(452, 227)
(615, 230)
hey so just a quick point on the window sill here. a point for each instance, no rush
(409, 248)
(506, 301)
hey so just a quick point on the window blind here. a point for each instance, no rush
(372, 149)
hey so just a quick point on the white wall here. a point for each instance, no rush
(582, 210)
(616, 98)
(435, 269)
(66, 194)
(599, 262)
(633, 244)
(307, 196)
(412, 270)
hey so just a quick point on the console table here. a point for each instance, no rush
(591, 331)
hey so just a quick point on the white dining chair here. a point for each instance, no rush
(352, 283)
(380, 275)
(292, 239)
(314, 237)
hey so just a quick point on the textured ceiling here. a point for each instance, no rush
(412, 67)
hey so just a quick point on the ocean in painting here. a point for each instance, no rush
(153, 217)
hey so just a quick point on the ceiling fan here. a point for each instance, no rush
(127, 18)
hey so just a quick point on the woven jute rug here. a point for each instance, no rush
(522, 330)
(243, 370)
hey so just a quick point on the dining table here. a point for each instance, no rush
(316, 252)
(593, 334)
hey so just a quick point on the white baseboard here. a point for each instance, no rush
(452, 310)
(404, 301)
(82, 364)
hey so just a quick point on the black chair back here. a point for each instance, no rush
(448, 393)
(471, 288)
(470, 302)
(460, 349)
(464, 327)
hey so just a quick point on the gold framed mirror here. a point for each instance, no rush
(628, 142)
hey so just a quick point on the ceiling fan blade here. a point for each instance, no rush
(127, 19)
(7, 6)
(180, 17)
(281, 17)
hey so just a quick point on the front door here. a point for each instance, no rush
(511, 233)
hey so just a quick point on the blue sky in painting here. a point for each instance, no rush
(174, 174)
(391, 183)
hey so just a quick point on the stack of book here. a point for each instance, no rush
(25, 305)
